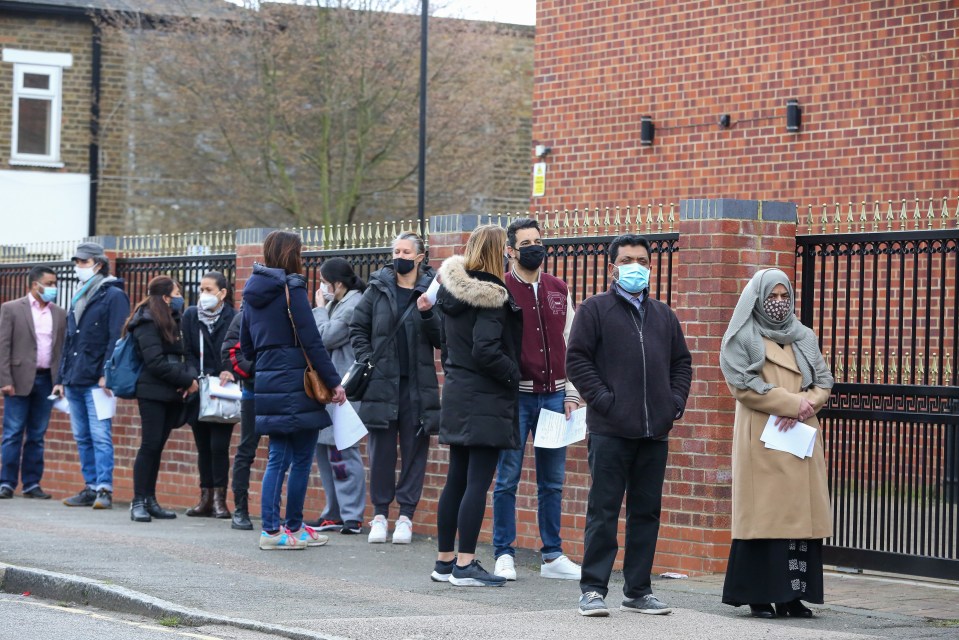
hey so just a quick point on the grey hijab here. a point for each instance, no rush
(743, 353)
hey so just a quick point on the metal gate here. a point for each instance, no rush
(885, 308)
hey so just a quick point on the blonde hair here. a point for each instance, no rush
(484, 250)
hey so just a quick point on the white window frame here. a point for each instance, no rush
(42, 63)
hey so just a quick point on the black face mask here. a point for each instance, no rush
(403, 266)
(531, 257)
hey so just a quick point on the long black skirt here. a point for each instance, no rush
(770, 571)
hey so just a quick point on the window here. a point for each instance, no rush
(37, 98)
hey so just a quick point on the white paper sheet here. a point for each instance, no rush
(799, 441)
(228, 391)
(62, 404)
(553, 430)
(433, 289)
(348, 429)
(106, 404)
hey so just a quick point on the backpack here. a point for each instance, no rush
(123, 368)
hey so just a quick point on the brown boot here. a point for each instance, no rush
(204, 508)
(219, 504)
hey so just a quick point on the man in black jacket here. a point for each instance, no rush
(628, 358)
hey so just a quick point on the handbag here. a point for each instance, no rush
(312, 383)
(215, 408)
(357, 378)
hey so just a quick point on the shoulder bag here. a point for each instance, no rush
(357, 379)
(215, 408)
(312, 383)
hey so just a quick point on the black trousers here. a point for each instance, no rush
(462, 504)
(246, 451)
(634, 468)
(157, 420)
(384, 485)
(213, 453)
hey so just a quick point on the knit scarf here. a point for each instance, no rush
(209, 318)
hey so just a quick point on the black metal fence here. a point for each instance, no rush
(885, 308)
(13, 281)
(363, 261)
(186, 270)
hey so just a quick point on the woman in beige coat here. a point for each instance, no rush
(781, 513)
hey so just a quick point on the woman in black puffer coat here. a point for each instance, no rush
(165, 382)
(483, 330)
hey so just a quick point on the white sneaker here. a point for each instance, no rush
(403, 531)
(562, 568)
(505, 568)
(377, 530)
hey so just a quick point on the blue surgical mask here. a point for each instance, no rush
(176, 304)
(633, 278)
(48, 294)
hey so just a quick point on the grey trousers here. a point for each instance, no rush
(344, 482)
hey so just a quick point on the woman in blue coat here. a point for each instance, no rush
(274, 298)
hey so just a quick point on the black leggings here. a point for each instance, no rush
(213, 453)
(157, 420)
(463, 502)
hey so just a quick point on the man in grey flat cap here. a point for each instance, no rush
(98, 311)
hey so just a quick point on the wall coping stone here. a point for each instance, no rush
(730, 209)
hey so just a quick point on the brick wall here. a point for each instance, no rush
(51, 35)
(876, 82)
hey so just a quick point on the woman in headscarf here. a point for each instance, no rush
(773, 366)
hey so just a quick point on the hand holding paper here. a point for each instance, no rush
(799, 441)
(553, 430)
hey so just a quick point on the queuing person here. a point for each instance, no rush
(483, 333)
(166, 381)
(209, 321)
(278, 332)
(402, 401)
(98, 311)
(628, 358)
(31, 341)
(547, 318)
(341, 471)
(241, 370)
(781, 512)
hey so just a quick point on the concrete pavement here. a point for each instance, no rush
(207, 574)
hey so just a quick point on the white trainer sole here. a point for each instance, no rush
(594, 613)
(473, 582)
(649, 612)
(439, 577)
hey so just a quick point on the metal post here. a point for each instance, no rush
(421, 187)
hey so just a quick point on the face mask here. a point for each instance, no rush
(328, 295)
(531, 257)
(633, 278)
(176, 304)
(83, 273)
(208, 301)
(403, 266)
(48, 294)
(777, 310)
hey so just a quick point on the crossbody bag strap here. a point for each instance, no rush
(399, 325)
(296, 335)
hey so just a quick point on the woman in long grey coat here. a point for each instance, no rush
(781, 513)
(341, 471)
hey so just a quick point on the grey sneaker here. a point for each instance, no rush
(104, 500)
(649, 604)
(592, 604)
(85, 498)
(474, 575)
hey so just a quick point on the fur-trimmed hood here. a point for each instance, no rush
(462, 288)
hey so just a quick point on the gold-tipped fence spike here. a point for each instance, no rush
(566, 218)
(930, 215)
(920, 367)
(906, 367)
(865, 366)
(852, 366)
(812, 218)
(576, 224)
(917, 214)
(945, 211)
(660, 219)
(947, 369)
(849, 215)
(889, 216)
(649, 216)
(862, 217)
(672, 215)
(629, 219)
(837, 218)
(902, 212)
(824, 220)
(934, 368)
(879, 366)
(876, 217)
(893, 367)
(840, 372)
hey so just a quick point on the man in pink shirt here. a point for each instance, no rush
(31, 339)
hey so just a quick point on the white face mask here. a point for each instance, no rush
(327, 292)
(208, 301)
(83, 273)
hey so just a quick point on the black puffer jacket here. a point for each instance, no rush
(165, 369)
(483, 335)
(373, 322)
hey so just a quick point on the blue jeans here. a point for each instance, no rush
(94, 438)
(294, 449)
(550, 476)
(25, 420)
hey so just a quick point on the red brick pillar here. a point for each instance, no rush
(722, 244)
(249, 249)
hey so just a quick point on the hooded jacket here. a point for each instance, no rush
(89, 343)
(374, 319)
(266, 337)
(483, 335)
(165, 370)
(232, 356)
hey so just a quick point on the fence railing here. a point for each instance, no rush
(875, 216)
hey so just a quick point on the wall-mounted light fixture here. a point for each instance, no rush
(724, 121)
(793, 116)
(541, 150)
(647, 131)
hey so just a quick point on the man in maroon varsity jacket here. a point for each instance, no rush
(547, 318)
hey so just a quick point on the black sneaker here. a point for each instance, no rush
(6, 493)
(85, 498)
(104, 500)
(648, 604)
(591, 604)
(352, 527)
(474, 575)
(37, 494)
(442, 571)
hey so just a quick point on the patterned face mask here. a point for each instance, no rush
(777, 310)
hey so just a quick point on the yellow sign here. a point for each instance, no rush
(539, 179)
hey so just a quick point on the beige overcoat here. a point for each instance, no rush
(775, 494)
